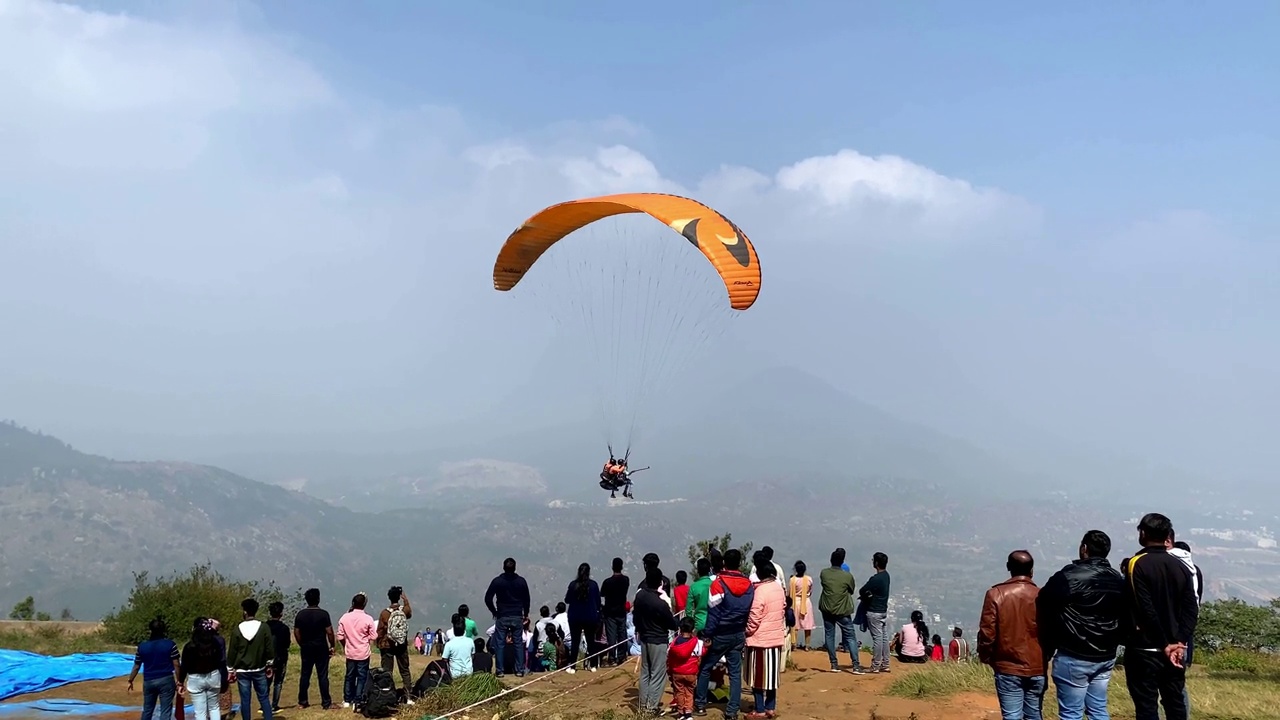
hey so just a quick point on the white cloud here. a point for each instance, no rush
(214, 188)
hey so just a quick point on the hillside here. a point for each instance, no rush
(74, 527)
(777, 422)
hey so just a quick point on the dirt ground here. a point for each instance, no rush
(809, 692)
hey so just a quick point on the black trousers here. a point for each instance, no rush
(1154, 681)
(314, 660)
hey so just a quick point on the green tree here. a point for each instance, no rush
(25, 610)
(702, 548)
(1237, 624)
(180, 599)
(43, 617)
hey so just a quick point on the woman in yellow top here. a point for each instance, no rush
(800, 589)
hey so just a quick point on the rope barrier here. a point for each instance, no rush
(546, 676)
(540, 678)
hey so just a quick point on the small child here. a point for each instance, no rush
(481, 661)
(791, 618)
(683, 658)
(937, 654)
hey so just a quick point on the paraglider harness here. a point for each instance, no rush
(617, 477)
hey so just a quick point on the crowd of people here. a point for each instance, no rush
(703, 640)
(1080, 619)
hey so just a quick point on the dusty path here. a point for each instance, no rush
(809, 692)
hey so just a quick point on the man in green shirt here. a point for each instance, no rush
(700, 595)
(836, 606)
(470, 624)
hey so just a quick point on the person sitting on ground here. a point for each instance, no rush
(913, 636)
(937, 653)
(458, 652)
(547, 653)
(958, 650)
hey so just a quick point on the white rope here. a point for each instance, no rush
(579, 686)
(545, 676)
(540, 678)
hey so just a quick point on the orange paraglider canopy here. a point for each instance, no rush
(722, 242)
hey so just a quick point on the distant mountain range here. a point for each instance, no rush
(776, 458)
(75, 527)
(780, 422)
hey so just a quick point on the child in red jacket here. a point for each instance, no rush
(682, 663)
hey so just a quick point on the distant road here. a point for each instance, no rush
(74, 628)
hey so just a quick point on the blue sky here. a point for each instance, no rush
(240, 220)
(1123, 109)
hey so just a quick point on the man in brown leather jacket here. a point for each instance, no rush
(1009, 641)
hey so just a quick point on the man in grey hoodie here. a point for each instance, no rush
(250, 655)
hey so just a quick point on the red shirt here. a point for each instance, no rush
(680, 596)
(937, 653)
(684, 655)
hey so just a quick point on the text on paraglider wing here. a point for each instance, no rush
(748, 283)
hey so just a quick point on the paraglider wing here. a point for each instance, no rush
(719, 240)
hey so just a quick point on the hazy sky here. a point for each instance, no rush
(1023, 224)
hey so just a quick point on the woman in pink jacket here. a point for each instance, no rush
(766, 634)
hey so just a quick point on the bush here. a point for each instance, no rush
(1232, 660)
(461, 693)
(182, 598)
(1237, 624)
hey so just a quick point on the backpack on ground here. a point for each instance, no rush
(397, 626)
(436, 674)
(380, 698)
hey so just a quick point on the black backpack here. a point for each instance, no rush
(436, 674)
(380, 698)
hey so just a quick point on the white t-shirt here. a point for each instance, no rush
(458, 654)
(562, 622)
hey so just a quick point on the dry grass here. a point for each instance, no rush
(1219, 690)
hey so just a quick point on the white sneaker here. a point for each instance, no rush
(595, 669)
(570, 671)
(346, 706)
(409, 701)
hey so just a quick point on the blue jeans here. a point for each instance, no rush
(158, 692)
(730, 648)
(847, 640)
(509, 627)
(1021, 698)
(1082, 687)
(354, 681)
(766, 700)
(254, 683)
(877, 625)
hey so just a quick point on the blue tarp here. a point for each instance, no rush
(58, 706)
(23, 672)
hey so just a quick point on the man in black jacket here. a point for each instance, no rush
(1161, 601)
(508, 599)
(614, 592)
(1079, 613)
(654, 621)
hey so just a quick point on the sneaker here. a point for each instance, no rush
(571, 671)
(346, 705)
(700, 712)
(835, 669)
(519, 675)
(858, 671)
(595, 669)
(409, 702)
